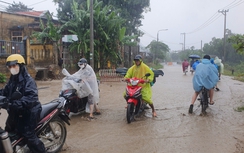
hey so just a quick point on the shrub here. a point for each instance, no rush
(2, 78)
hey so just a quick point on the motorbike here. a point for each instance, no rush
(204, 99)
(51, 129)
(74, 103)
(133, 97)
(76, 92)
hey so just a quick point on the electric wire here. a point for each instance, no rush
(37, 3)
(216, 16)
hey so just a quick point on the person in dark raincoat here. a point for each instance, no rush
(24, 113)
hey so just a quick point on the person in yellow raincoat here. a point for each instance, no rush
(138, 70)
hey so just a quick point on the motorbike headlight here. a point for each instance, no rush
(134, 82)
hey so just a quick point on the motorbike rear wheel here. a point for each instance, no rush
(54, 135)
(130, 112)
(204, 101)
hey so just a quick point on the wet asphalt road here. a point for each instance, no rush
(173, 131)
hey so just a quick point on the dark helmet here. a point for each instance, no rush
(82, 61)
(206, 57)
(138, 57)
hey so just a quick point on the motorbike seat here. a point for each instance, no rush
(48, 108)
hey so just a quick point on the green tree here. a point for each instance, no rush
(237, 42)
(107, 31)
(18, 7)
(130, 10)
(215, 48)
(158, 49)
(50, 33)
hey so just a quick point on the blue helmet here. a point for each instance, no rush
(138, 57)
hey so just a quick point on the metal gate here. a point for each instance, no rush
(109, 75)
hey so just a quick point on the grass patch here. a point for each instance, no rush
(239, 109)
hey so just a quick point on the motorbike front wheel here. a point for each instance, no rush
(130, 112)
(54, 135)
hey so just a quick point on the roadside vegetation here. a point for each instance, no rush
(2, 78)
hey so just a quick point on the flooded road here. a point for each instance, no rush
(174, 130)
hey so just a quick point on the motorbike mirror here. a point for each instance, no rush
(16, 95)
(147, 74)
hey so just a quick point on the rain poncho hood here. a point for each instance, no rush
(139, 72)
(217, 61)
(205, 75)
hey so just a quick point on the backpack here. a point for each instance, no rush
(154, 80)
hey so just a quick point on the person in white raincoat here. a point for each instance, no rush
(86, 73)
(220, 65)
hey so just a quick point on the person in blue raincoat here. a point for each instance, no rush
(205, 75)
(138, 70)
(194, 65)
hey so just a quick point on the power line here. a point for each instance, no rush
(37, 3)
(147, 33)
(216, 16)
(237, 4)
(5, 2)
(207, 23)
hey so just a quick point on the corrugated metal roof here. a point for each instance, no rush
(33, 13)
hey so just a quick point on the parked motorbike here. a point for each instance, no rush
(133, 97)
(51, 129)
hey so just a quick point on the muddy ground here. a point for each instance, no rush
(174, 130)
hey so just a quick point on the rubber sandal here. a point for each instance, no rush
(89, 118)
(97, 113)
(211, 103)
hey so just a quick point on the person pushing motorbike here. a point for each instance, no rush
(24, 113)
(87, 73)
(138, 70)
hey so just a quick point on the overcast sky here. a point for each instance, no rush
(198, 19)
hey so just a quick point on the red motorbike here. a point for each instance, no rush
(133, 97)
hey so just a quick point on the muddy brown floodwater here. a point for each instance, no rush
(173, 131)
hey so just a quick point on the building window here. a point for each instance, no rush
(17, 36)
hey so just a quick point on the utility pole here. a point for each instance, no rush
(157, 42)
(201, 46)
(91, 35)
(181, 46)
(184, 40)
(224, 13)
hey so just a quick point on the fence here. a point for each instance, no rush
(11, 47)
(109, 75)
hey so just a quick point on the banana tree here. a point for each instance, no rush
(50, 33)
